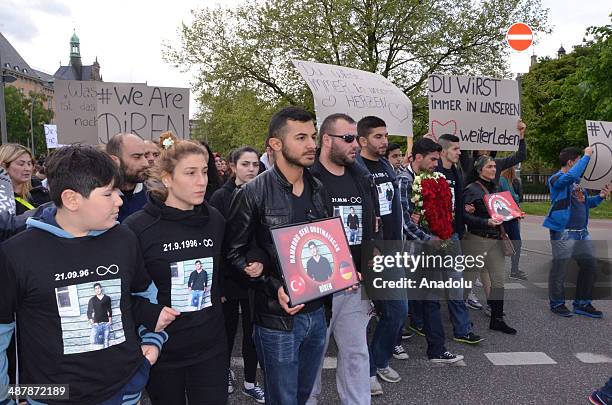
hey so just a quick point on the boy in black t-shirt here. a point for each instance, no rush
(79, 247)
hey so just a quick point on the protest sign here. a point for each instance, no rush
(338, 89)
(315, 259)
(75, 111)
(142, 110)
(51, 136)
(92, 112)
(599, 171)
(483, 112)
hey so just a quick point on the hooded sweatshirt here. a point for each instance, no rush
(172, 242)
(49, 293)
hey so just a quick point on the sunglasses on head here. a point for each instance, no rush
(348, 138)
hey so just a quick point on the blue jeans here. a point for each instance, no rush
(513, 229)
(102, 328)
(568, 245)
(393, 314)
(197, 296)
(457, 309)
(428, 312)
(290, 359)
(353, 235)
(606, 390)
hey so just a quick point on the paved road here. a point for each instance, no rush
(551, 360)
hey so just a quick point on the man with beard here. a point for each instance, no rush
(372, 137)
(283, 195)
(349, 185)
(128, 152)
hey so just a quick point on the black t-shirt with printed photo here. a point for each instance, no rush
(173, 241)
(451, 179)
(49, 291)
(347, 204)
(384, 187)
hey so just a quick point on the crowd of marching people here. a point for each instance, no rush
(167, 247)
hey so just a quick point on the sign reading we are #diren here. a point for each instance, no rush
(482, 111)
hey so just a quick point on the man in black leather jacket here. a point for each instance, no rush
(289, 340)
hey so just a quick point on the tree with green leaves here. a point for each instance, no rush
(18, 109)
(559, 95)
(250, 47)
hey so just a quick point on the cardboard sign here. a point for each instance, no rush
(92, 112)
(51, 136)
(502, 207)
(338, 89)
(76, 111)
(482, 111)
(599, 170)
(315, 259)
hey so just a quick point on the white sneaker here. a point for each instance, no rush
(230, 382)
(472, 301)
(399, 353)
(375, 387)
(388, 374)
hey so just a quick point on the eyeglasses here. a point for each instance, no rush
(348, 138)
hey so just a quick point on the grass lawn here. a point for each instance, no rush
(604, 211)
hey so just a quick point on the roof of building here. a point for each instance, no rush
(13, 62)
(71, 73)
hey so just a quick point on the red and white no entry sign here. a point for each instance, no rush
(519, 36)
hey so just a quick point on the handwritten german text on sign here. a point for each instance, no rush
(482, 111)
(92, 112)
(338, 89)
(599, 171)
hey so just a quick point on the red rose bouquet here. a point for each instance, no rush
(432, 200)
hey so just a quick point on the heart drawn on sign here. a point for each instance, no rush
(329, 101)
(449, 127)
(399, 111)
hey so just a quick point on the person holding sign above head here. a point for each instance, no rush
(484, 238)
(128, 152)
(283, 195)
(180, 236)
(350, 190)
(567, 221)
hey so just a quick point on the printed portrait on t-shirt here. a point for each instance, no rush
(317, 260)
(191, 284)
(502, 210)
(90, 315)
(385, 197)
(351, 220)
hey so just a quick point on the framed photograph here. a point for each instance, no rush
(501, 206)
(315, 259)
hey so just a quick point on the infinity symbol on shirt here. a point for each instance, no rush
(112, 269)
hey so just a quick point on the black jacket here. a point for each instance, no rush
(458, 208)
(467, 161)
(257, 206)
(477, 223)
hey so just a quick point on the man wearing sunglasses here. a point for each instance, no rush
(350, 189)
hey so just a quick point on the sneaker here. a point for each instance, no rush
(597, 398)
(407, 334)
(256, 393)
(588, 310)
(230, 382)
(447, 358)
(471, 339)
(472, 302)
(561, 310)
(518, 275)
(388, 374)
(418, 331)
(375, 387)
(399, 353)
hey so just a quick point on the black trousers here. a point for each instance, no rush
(249, 354)
(203, 383)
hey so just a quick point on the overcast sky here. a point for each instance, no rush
(126, 35)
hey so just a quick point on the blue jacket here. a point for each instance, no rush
(133, 203)
(560, 186)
